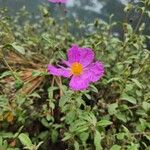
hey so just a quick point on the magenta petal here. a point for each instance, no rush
(74, 54)
(79, 83)
(91, 74)
(59, 71)
(95, 71)
(86, 56)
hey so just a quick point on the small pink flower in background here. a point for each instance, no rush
(80, 66)
(58, 1)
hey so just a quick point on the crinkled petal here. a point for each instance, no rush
(59, 71)
(91, 74)
(79, 83)
(95, 71)
(74, 54)
(84, 56)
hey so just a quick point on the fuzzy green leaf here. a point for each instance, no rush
(97, 140)
(25, 140)
(104, 123)
(128, 98)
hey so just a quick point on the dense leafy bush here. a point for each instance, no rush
(39, 111)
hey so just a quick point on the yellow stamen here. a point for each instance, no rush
(76, 68)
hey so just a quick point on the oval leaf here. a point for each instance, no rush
(128, 98)
(104, 123)
(25, 140)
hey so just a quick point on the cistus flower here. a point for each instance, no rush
(58, 1)
(80, 66)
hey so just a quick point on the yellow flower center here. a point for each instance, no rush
(76, 68)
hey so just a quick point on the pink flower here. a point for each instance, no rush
(80, 66)
(58, 1)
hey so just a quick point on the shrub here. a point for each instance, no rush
(38, 110)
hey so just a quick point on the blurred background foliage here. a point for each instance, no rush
(87, 11)
(39, 111)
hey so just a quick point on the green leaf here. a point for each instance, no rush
(147, 136)
(115, 147)
(137, 83)
(39, 144)
(94, 89)
(63, 100)
(18, 48)
(35, 95)
(6, 134)
(88, 96)
(146, 106)
(135, 71)
(67, 137)
(54, 136)
(126, 131)
(104, 123)
(128, 98)
(128, 7)
(142, 126)
(139, 93)
(128, 28)
(84, 136)
(62, 54)
(112, 108)
(114, 79)
(129, 87)
(148, 13)
(120, 136)
(90, 117)
(44, 135)
(25, 140)
(77, 125)
(45, 122)
(82, 128)
(70, 117)
(38, 73)
(18, 84)
(121, 116)
(5, 74)
(97, 140)
(133, 147)
(76, 145)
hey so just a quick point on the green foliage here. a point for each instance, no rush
(25, 140)
(112, 114)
